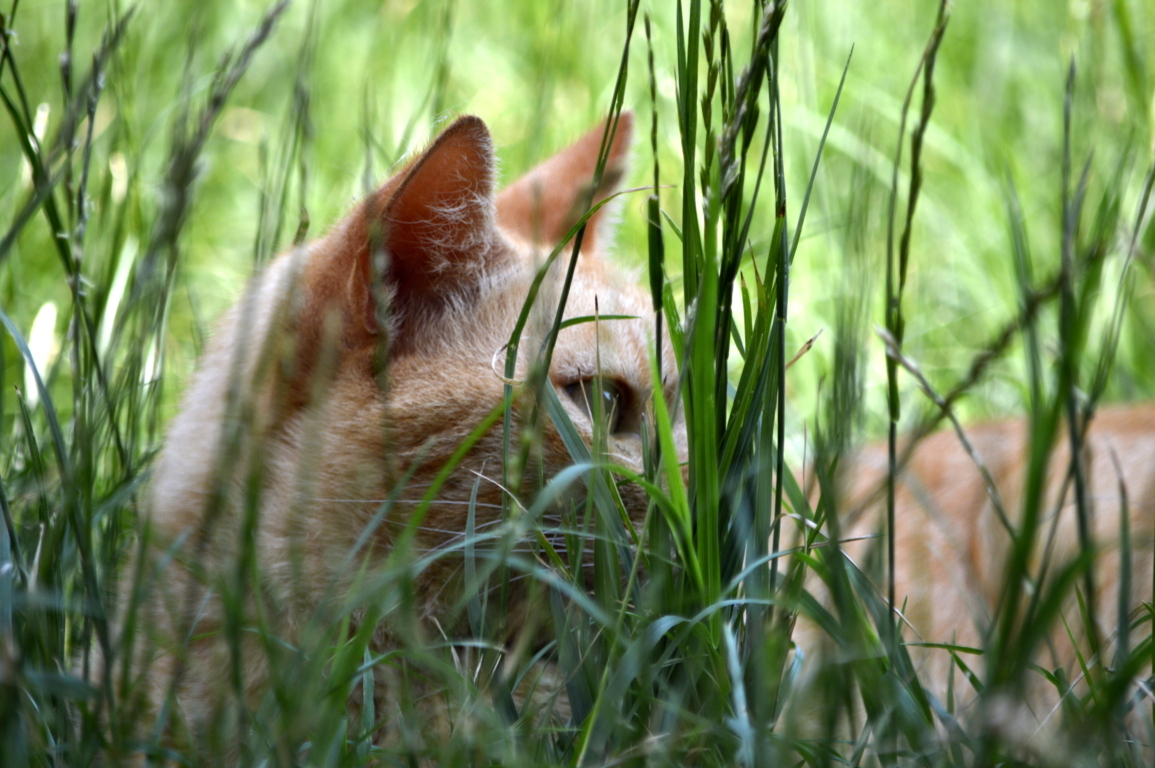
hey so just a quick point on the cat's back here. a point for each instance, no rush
(956, 528)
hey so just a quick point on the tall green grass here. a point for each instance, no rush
(974, 181)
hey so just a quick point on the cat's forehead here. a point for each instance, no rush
(613, 334)
(602, 287)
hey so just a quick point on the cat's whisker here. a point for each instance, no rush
(623, 459)
(449, 531)
(497, 483)
(437, 502)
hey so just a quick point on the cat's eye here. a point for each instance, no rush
(601, 397)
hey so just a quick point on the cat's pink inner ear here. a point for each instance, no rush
(547, 202)
(436, 222)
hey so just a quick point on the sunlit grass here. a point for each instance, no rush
(136, 203)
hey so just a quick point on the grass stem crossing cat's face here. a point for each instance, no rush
(335, 394)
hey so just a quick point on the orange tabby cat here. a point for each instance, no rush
(354, 367)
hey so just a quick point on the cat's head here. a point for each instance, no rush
(389, 338)
(426, 281)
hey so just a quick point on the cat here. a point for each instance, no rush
(954, 542)
(353, 369)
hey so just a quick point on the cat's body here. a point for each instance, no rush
(351, 371)
(953, 548)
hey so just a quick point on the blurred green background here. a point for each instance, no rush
(379, 77)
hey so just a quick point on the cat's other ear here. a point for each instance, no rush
(543, 205)
(416, 246)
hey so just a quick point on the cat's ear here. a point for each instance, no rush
(434, 220)
(543, 205)
(416, 246)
